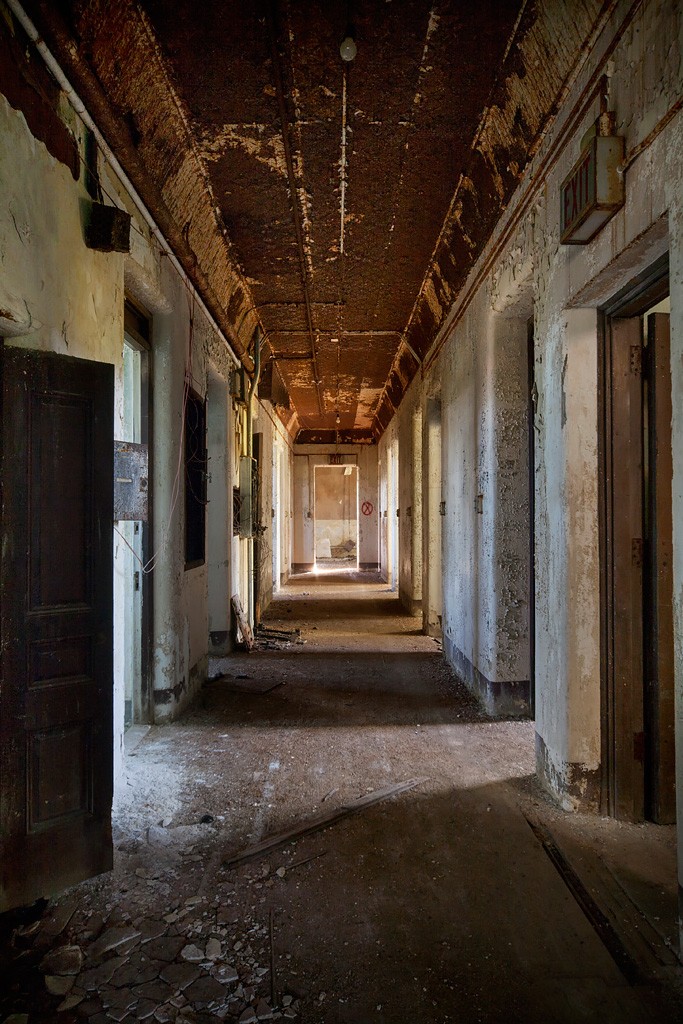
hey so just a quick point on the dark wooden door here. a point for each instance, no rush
(639, 550)
(660, 768)
(625, 755)
(56, 623)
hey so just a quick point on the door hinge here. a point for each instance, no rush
(637, 552)
(442, 508)
(636, 360)
(639, 747)
(136, 580)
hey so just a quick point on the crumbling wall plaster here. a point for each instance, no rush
(62, 296)
(485, 488)
(644, 75)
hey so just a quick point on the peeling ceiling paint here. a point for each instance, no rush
(345, 213)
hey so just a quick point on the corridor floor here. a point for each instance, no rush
(437, 905)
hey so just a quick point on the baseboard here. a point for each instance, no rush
(501, 699)
(573, 785)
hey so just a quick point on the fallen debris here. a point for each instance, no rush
(243, 627)
(322, 821)
(245, 684)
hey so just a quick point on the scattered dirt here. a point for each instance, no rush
(434, 906)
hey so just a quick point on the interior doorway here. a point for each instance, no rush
(638, 694)
(432, 599)
(132, 591)
(335, 517)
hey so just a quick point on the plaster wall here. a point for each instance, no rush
(485, 486)
(58, 295)
(76, 313)
(185, 354)
(305, 458)
(645, 77)
(524, 266)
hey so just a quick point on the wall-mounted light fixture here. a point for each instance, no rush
(348, 48)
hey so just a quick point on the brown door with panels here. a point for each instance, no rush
(56, 623)
(638, 724)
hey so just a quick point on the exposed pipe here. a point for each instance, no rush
(258, 343)
(78, 105)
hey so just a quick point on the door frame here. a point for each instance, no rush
(356, 473)
(138, 328)
(632, 301)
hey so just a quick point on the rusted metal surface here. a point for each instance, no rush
(131, 473)
(326, 200)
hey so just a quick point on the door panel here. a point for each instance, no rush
(56, 623)
(659, 672)
(625, 499)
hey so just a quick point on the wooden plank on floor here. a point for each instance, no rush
(322, 821)
(242, 622)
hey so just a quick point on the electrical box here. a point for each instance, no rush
(272, 387)
(108, 229)
(239, 385)
(247, 465)
(130, 481)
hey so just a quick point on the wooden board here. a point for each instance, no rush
(322, 821)
(243, 627)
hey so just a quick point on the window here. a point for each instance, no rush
(195, 481)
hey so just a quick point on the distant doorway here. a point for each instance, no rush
(336, 517)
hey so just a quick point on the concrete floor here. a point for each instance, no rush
(437, 905)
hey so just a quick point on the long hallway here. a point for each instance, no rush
(438, 904)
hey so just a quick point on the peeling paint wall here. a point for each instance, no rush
(58, 295)
(485, 487)
(55, 294)
(524, 267)
(644, 83)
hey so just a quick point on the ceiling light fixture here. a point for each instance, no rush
(338, 419)
(348, 49)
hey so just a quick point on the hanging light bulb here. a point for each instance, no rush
(338, 419)
(348, 49)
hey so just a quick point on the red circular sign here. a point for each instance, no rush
(367, 508)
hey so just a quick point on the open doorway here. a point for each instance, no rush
(131, 537)
(335, 514)
(638, 691)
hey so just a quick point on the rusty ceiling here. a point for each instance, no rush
(341, 205)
